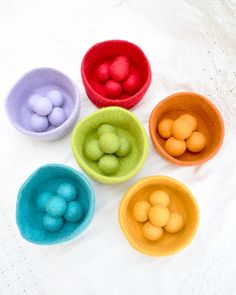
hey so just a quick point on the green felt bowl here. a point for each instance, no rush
(126, 125)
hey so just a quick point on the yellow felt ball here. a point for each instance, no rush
(175, 223)
(164, 128)
(151, 232)
(140, 211)
(159, 215)
(181, 129)
(196, 142)
(159, 197)
(175, 147)
(191, 119)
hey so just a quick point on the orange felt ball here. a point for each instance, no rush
(175, 223)
(175, 147)
(102, 72)
(159, 197)
(196, 142)
(165, 128)
(119, 69)
(181, 129)
(132, 83)
(159, 215)
(113, 89)
(151, 232)
(191, 119)
(140, 211)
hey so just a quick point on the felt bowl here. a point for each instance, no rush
(40, 81)
(128, 126)
(181, 200)
(30, 219)
(209, 119)
(105, 52)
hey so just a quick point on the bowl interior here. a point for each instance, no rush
(39, 81)
(209, 121)
(106, 52)
(128, 126)
(181, 201)
(29, 217)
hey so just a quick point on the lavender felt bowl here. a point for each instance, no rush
(40, 82)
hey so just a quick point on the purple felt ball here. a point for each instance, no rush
(57, 116)
(56, 98)
(39, 123)
(42, 106)
(32, 99)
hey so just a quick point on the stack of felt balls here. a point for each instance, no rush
(107, 148)
(60, 207)
(155, 215)
(181, 134)
(118, 77)
(47, 110)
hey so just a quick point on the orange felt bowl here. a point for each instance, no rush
(181, 200)
(209, 119)
(106, 52)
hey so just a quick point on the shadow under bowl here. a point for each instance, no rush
(46, 179)
(181, 201)
(209, 119)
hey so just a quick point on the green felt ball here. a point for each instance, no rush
(93, 151)
(105, 128)
(108, 164)
(125, 147)
(109, 143)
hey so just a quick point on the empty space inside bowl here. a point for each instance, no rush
(180, 202)
(40, 82)
(30, 218)
(107, 52)
(208, 122)
(125, 126)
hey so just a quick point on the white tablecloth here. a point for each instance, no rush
(191, 46)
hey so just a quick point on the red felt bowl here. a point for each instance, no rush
(106, 52)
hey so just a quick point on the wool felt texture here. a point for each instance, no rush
(30, 219)
(107, 51)
(181, 201)
(40, 81)
(127, 125)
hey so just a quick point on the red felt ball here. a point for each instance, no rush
(119, 69)
(113, 89)
(132, 83)
(103, 72)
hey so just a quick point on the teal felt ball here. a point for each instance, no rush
(74, 212)
(56, 206)
(42, 200)
(124, 148)
(52, 224)
(105, 128)
(93, 151)
(108, 164)
(67, 191)
(109, 143)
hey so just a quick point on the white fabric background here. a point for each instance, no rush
(191, 46)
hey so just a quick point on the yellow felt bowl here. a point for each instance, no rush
(181, 201)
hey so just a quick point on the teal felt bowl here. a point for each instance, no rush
(29, 218)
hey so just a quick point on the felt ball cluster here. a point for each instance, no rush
(47, 110)
(60, 207)
(156, 217)
(118, 77)
(107, 148)
(181, 134)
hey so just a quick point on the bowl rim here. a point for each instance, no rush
(128, 196)
(103, 178)
(61, 128)
(85, 222)
(162, 151)
(109, 101)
